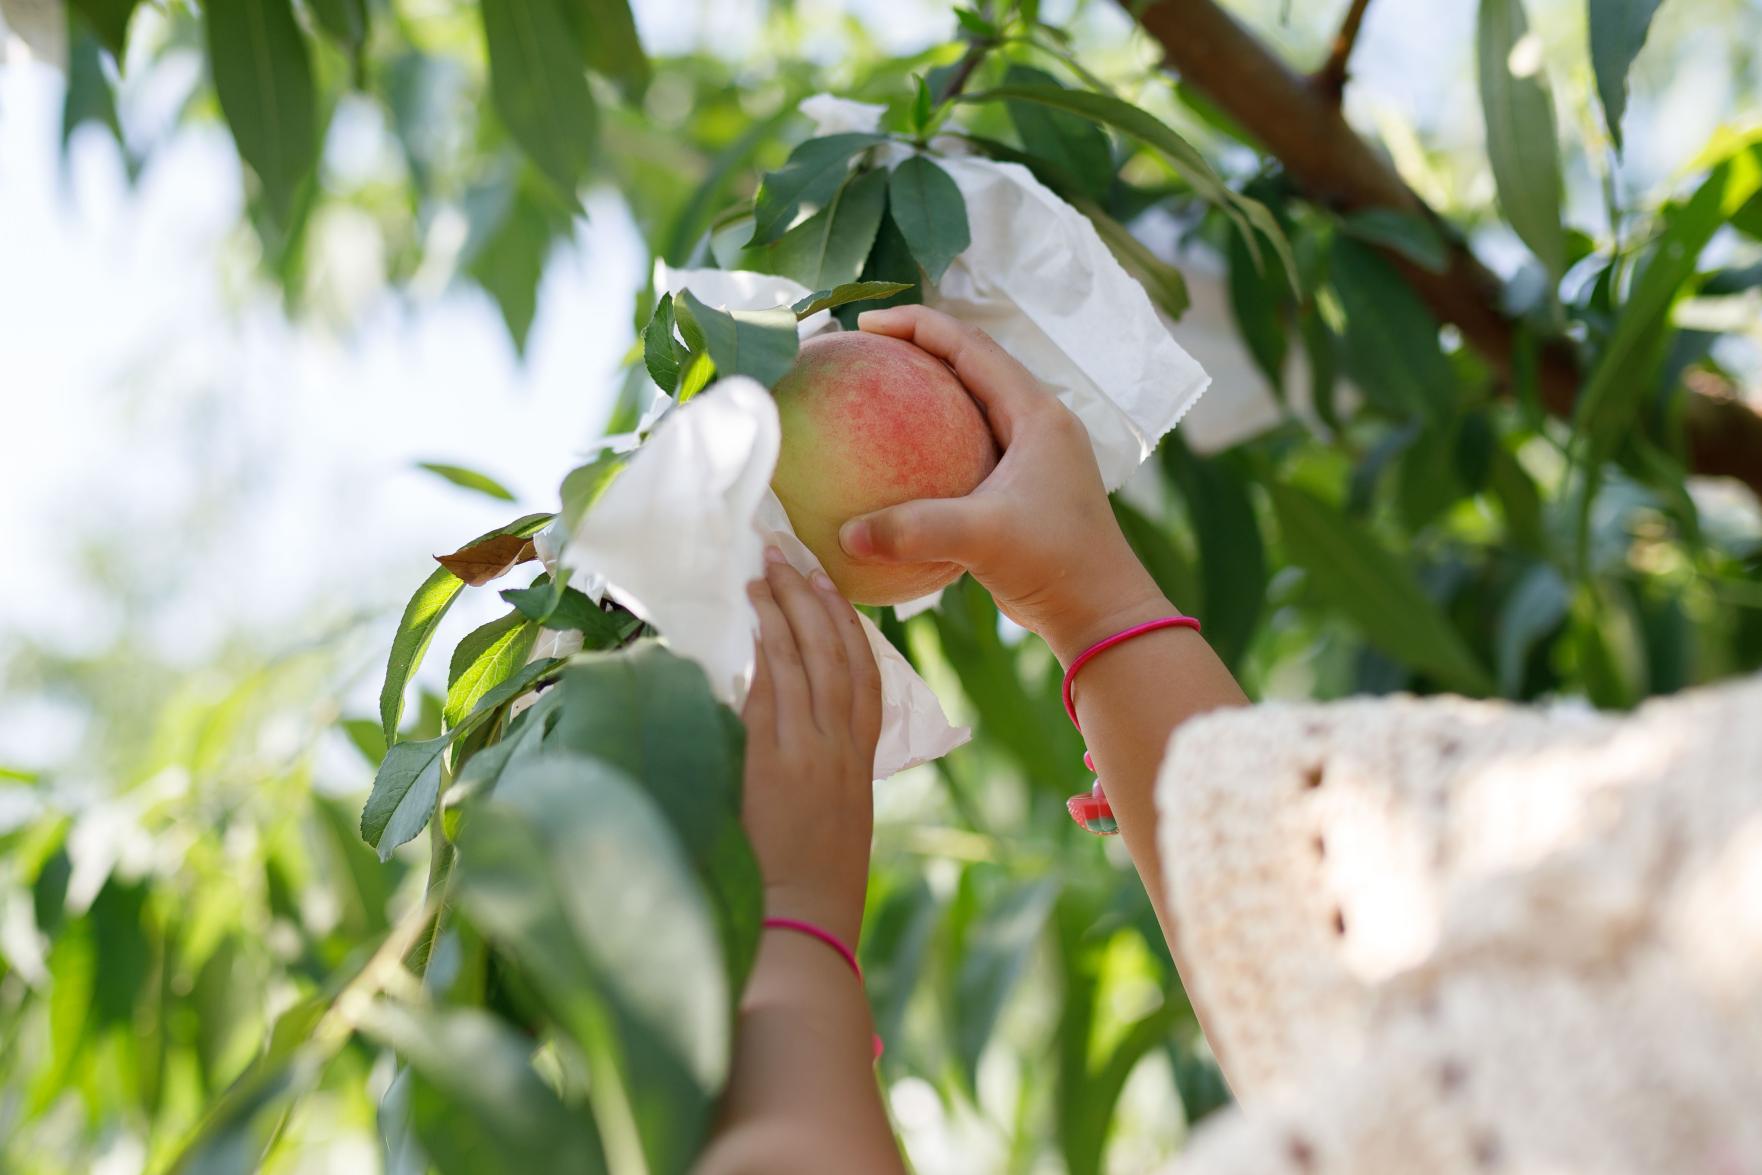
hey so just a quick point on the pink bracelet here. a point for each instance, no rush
(832, 940)
(1090, 809)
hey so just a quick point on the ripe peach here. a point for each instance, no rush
(868, 422)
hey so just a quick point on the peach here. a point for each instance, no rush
(869, 422)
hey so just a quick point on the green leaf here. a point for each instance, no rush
(367, 737)
(1261, 308)
(1169, 565)
(758, 343)
(1412, 236)
(403, 793)
(848, 292)
(109, 19)
(890, 262)
(1612, 394)
(89, 95)
(1233, 570)
(572, 870)
(1535, 608)
(345, 21)
(1392, 344)
(660, 350)
(510, 262)
(997, 953)
(814, 171)
(1375, 590)
(421, 617)
(1162, 281)
(1073, 145)
(1618, 31)
(1521, 141)
(485, 658)
(468, 479)
(611, 46)
(264, 80)
(829, 248)
(651, 714)
(975, 25)
(583, 485)
(573, 610)
(931, 213)
(539, 88)
(476, 1104)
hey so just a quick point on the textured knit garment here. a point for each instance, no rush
(1436, 936)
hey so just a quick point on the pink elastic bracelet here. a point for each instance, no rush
(1090, 809)
(832, 940)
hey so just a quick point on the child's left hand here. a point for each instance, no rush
(812, 719)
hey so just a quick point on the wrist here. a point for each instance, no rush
(835, 913)
(1109, 610)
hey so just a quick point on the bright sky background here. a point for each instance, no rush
(159, 408)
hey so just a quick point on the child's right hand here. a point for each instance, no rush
(1038, 533)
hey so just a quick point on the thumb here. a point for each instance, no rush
(927, 530)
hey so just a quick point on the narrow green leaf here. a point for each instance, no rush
(1392, 346)
(403, 794)
(584, 484)
(367, 738)
(758, 343)
(814, 171)
(1535, 608)
(89, 96)
(476, 1103)
(109, 19)
(1169, 565)
(828, 248)
(264, 80)
(1233, 570)
(422, 615)
(1261, 309)
(345, 21)
(1073, 145)
(996, 955)
(539, 88)
(1375, 590)
(1521, 141)
(510, 263)
(573, 610)
(890, 262)
(611, 46)
(1162, 281)
(931, 213)
(660, 350)
(1412, 236)
(484, 659)
(848, 292)
(1617, 31)
(468, 479)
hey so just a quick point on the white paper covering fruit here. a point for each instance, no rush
(678, 534)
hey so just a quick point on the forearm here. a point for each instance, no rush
(803, 1085)
(1129, 700)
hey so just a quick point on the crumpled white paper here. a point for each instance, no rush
(1040, 280)
(681, 531)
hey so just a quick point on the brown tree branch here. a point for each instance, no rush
(1308, 134)
(1330, 79)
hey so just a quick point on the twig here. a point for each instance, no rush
(963, 72)
(1330, 79)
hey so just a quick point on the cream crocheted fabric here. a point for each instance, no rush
(1436, 936)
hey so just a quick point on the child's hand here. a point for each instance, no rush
(1038, 533)
(812, 718)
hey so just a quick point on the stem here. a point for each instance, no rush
(1331, 77)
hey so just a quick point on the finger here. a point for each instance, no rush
(822, 653)
(760, 711)
(783, 664)
(1006, 388)
(865, 675)
(932, 530)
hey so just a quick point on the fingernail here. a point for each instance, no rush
(855, 538)
(822, 581)
(774, 554)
